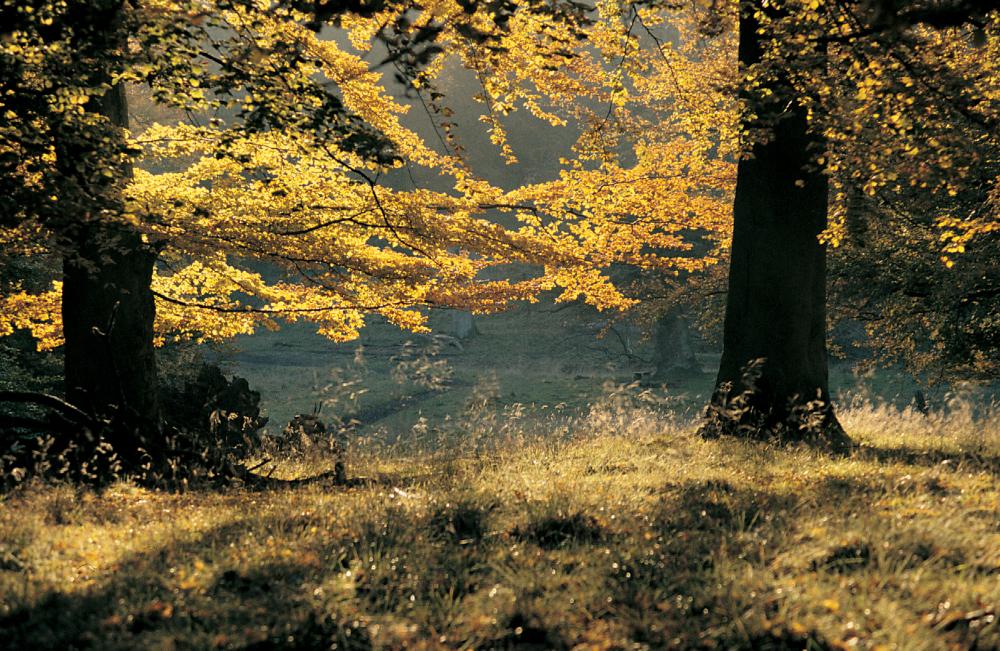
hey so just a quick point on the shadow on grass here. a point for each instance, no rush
(138, 603)
(554, 531)
(663, 589)
(676, 561)
(272, 604)
(967, 459)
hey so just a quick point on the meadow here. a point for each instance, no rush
(612, 528)
(541, 356)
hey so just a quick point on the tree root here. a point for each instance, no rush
(247, 476)
(827, 435)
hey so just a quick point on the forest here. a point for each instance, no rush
(487, 324)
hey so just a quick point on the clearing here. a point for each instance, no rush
(615, 528)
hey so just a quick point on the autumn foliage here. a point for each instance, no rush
(294, 134)
(285, 177)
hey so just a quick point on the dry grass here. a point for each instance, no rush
(615, 530)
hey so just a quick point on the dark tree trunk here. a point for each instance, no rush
(773, 374)
(107, 312)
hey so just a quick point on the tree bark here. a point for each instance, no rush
(773, 377)
(108, 312)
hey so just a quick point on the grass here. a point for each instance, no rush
(615, 529)
(532, 357)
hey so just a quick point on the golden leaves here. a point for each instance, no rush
(339, 244)
(39, 313)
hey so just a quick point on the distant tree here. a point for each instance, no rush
(673, 346)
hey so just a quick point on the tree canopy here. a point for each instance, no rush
(289, 179)
(289, 136)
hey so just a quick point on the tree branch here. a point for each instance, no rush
(46, 400)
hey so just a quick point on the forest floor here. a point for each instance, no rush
(615, 528)
(530, 358)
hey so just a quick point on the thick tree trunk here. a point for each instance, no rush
(773, 374)
(107, 312)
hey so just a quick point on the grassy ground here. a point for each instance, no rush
(530, 357)
(612, 530)
(533, 356)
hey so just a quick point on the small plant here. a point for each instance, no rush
(307, 434)
(422, 366)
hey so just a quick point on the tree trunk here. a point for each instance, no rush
(463, 326)
(107, 312)
(674, 351)
(773, 374)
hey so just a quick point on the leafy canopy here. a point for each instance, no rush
(289, 179)
(279, 194)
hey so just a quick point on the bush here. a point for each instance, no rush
(210, 425)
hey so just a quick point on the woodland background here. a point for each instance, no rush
(499, 325)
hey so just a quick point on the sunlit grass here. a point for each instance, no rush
(618, 529)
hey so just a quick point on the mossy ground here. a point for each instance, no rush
(617, 529)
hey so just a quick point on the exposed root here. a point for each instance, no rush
(247, 476)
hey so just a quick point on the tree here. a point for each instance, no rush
(774, 342)
(67, 164)
(282, 162)
(800, 64)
